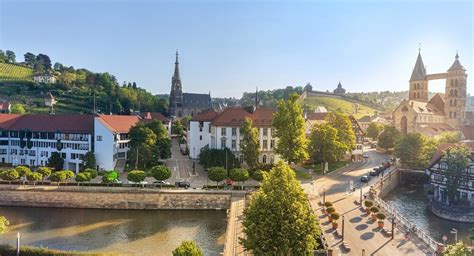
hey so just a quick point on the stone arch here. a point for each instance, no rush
(404, 125)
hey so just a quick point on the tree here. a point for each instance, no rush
(188, 248)
(217, 174)
(278, 219)
(324, 144)
(239, 175)
(44, 171)
(3, 57)
(11, 57)
(408, 149)
(58, 177)
(34, 177)
(56, 161)
(177, 128)
(42, 63)
(458, 249)
(30, 59)
(210, 157)
(289, 128)
(136, 176)
(163, 142)
(23, 170)
(83, 177)
(345, 132)
(89, 160)
(388, 137)
(160, 172)
(449, 137)
(374, 130)
(110, 177)
(456, 159)
(18, 108)
(250, 144)
(258, 175)
(3, 224)
(141, 140)
(10, 175)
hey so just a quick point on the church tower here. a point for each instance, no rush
(455, 94)
(418, 82)
(176, 94)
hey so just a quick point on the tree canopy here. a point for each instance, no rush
(250, 144)
(458, 249)
(278, 219)
(388, 137)
(188, 248)
(217, 174)
(456, 158)
(343, 125)
(373, 130)
(3, 224)
(289, 128)
(324, 144)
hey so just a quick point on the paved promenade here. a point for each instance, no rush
(234, 228)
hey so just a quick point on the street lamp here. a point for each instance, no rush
(360, 199)
(324, 195)
(393, 227)
(363, 252)
(342, 229)
(455, 232)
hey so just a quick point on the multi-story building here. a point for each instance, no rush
(31, 139)
(5, 107)
(222, 130)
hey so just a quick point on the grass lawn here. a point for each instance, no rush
(302, 175)
(332, 104)
(317, 168)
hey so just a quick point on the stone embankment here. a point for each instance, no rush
(114, 198)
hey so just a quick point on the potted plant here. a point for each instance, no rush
(381, 217)
(327, 204)
(368, 204)
(329, 211)
(374, 211)
(334, 217)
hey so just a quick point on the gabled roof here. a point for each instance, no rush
(467, 132)
(419, 71)
(424, 107)
(235, 116)
(438, 102)
(205, 116)
(154, 116)
(316, 116)
(456, 64)
(118, 123)
(441, 148)
(4, 105)
(434, 129)
(365, 119)
(48, 123)
(196, 100)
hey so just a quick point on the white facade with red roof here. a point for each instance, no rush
(5, 107)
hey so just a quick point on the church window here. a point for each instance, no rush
(456, 82)
(451, 92)
(452, 82)
(200, 137)
(454, 114)
(455, 93)
(455, 103)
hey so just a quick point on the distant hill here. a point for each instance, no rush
(15, 73)
(346, 105)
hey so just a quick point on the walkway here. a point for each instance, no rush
(234, 227)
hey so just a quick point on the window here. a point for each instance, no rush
(272, 144)
(99, 138)
(63, 155)
(272, 159)
(209, 129)
(234, 131)
(234, 144)
(456, 82)
(265, 143)
(223, 141)
(265, 131)
(223, 131)
(264, 159)
(200, 137)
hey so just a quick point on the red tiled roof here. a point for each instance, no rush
(441, 148)
(235, 116)
(118, 123)
(317, 116)
(48, 123)
(205, 116)
(436, 129)
(4, 105)
(154, 116)
(467, 131)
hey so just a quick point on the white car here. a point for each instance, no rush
(366, 155)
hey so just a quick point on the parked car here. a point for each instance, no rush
(365, 178)
(366, 155)
(387, 165)
(161, 182)
(182, 184)
(374, 172)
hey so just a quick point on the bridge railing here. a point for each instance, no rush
(401, 221)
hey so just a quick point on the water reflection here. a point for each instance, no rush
(122, 231)
(412, 202)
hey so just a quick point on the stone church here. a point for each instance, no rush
(441, 113)
(185, 104)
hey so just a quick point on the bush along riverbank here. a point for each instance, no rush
(8, 250)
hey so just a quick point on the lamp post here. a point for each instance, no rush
(363, 252)
(324, 195)
(194, 160)
(393, 227)
(455, 232)
(360, 199)
(342, 229)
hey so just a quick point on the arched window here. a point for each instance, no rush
(456, 83)
(455, 93)
(452, 82)
(272, 159)
(264, 159)
(454, 114)
(451, 92)
(450, 102)
(418, 95)
(455, 103)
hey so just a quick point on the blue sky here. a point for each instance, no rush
(228, 47)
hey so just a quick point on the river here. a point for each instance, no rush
(411, 201)
(128, 232)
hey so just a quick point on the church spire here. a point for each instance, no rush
(419, 71)
(176, 67)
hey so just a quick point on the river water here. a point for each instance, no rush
(128, 232)
(411, 201)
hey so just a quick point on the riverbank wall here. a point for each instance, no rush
(397, 177)
(115, 198)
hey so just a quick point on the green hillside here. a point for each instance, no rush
(348, 106)
(12, 72)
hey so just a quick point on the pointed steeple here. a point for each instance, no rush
(419, 71)
(456, 65)
(176, 67)
(256, 98)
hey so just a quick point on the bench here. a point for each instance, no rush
(346, 247)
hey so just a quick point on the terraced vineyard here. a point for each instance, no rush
(12, 72)
(347, 106)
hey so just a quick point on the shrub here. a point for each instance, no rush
(381, 216)
(335, 216)
(109, 177)
(239, 174)
(83, 177)
(23, 170)
(368, 204)
(45, 171)
(10, 175)
(160, 172)
(93, 173)
(217, 174)
(136, 176)
(327, 204)
(330, 209)
(374, 209)
(258, 175)
(34, 176)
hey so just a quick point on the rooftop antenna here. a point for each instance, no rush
(419, 48)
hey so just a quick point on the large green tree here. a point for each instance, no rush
(343, 125)
(324, 145)
(142, 140)
(18, 108)
(250, 144)
(188, 248)
(239, 175)
(409, 149)
(456, 159)
(458, 249)
(289, 128)
(388, 137)
(374, 130)
(56, 161)
(217, 174)
(89, 160)
(278, 219)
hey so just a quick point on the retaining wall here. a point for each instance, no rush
(113, 198)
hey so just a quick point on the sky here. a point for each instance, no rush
(228, 47)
